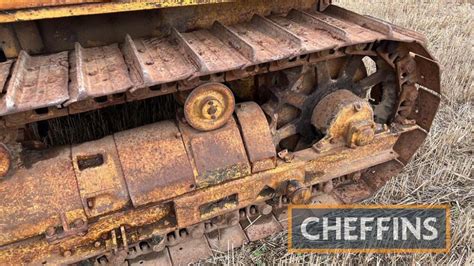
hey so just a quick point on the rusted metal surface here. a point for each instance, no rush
(426, 106)
(344, 117)
(325, 199)
(249, 190)
(202, 148)
(4, 73)
(408, 143)
(190, 251)
(315, 33)
(11, 48)
(29, 37)
(265, 40)
(43, 9)
(374, 25)
(378, 175)
(257, 136)
(99, 159)
(97, 240)
(36, 82)
(209, 106)
(261, 227)
(343, 161)
(100, 71)
(171, 189)
(55, 203)
(19, 120)
(162, 169)
(353, 192)
(152, 259)
(353, 31)
(210, 53)
(155, 61)
(5, 160)
(226, 239)
(42, 3)
(297, 193)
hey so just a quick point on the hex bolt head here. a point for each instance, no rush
(357, 107)
(365, 136)
(266, 209)
(50, 231)
(67, 253)
(78, 223)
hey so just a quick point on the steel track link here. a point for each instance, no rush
(42, 87)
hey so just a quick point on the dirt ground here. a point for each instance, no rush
(442, 170)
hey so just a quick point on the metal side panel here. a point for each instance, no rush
(99, 176)
(57, 9)
(100, 71)
(154, 162)
(257, 136)
(217, 155)
(5, 5)
(36, 82)
(40, 195)
(156, 61)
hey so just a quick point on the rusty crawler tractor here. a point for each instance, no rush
(160, 132)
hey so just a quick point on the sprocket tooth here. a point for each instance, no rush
(226, 239)
(261, 227)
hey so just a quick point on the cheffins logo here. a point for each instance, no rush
(369, 228)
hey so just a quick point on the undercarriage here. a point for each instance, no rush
(195, 140)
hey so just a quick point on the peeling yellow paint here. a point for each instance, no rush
(94, 8)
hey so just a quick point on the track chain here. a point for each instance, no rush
(41, 87)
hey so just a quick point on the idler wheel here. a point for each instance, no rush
(209, 106)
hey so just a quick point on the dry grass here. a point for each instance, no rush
(442, 171)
